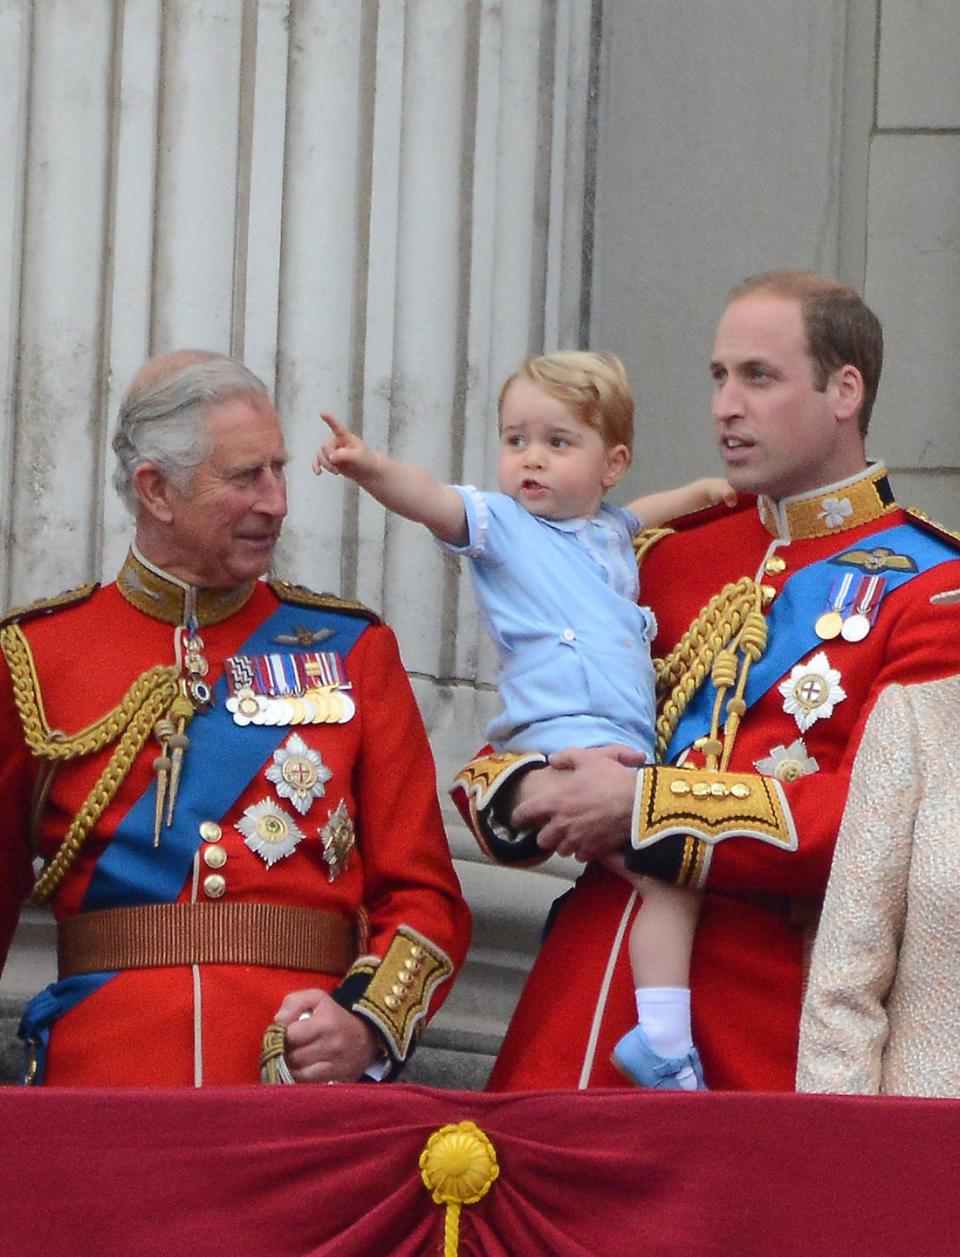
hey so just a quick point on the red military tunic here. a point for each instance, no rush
(390, 878)
(762, 891)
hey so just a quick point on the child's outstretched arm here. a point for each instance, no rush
(658, 508)
(401, 487)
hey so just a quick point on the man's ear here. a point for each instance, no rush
(154, 490)
(618, 460)
(848, 383)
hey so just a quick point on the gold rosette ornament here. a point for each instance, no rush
(458, 1167)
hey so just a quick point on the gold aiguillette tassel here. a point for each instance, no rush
(181, 711)
(163, 731)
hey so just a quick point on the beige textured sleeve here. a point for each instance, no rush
(844, 1025)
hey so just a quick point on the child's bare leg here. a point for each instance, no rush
(661, 938)
(660, 943)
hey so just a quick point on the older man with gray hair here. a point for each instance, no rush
(227, 780)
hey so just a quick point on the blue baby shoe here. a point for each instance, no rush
(636, 1060)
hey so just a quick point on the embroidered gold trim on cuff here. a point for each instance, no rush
(483, 776)
(480, 780)
(710, 806)
(399, 993)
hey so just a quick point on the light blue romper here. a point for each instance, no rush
(558, 597)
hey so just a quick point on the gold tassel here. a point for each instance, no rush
(458, 1166)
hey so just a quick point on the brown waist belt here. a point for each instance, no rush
(263, 934)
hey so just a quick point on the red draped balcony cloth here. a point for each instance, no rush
(332, 1171)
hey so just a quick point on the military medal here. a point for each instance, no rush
(338, 838)
(307, 688)
(867, 603)
(298, 773)
(830, 623)
(811, 691)
(856, 628)
(269, 832)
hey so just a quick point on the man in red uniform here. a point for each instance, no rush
(779, 623)
(228, 781)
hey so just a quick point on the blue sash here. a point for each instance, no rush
(791, 621)
(222, 760)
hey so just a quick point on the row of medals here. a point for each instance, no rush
(852, 629)
(855, 626)
(323, 705)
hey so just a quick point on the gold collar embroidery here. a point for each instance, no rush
(163, 597)
(832, 509)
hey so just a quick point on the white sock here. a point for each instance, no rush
(664, 1013)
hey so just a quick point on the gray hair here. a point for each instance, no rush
(161, 418)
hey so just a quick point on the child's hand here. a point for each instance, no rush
(715, 491)
(344, 453)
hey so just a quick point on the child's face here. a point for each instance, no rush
(551, 462)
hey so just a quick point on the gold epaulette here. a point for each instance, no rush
(645, 540)
(44, 606)
(931, 526)
(301, 596)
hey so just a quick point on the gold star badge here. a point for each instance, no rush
(338, 837)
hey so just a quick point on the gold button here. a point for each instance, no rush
(718, 790)
(416, 952)
(391, 1001)
(398, 990)
(214, 885)
(214, 857)
(701, 789)
(679, 787)
(776, 563)
(210, 831)
(405, 978)
(767, 593)
(740, 790)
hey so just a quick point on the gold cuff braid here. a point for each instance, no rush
(129, 724)
(480, 780)
(711, 806)
(398, 995)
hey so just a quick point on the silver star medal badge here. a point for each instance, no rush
(298, 773)
(787, 763)
(811, 691)
(269, 832)
(338, 837)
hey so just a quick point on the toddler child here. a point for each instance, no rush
(557, 585)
